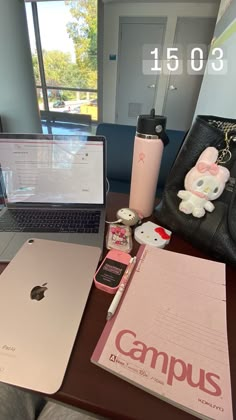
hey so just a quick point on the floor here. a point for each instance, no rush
(68, 128)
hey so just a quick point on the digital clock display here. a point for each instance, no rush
(196, 59)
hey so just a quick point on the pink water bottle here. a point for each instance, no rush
(149, 143)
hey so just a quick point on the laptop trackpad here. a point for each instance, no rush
(10, 244)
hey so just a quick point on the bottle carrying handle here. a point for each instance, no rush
(163, 136)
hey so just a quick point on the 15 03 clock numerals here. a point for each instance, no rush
(174, 60)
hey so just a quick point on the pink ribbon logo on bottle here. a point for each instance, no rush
(141, 157)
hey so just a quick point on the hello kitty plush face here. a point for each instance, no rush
(203, 183)
(151, 234)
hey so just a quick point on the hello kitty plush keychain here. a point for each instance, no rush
(203, 183)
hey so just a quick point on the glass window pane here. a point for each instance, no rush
(40, 99)
(68, 32)
(73, 102)
(34, 53)
(32, 43)
(90, 107)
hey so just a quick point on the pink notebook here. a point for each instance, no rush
(169, 334)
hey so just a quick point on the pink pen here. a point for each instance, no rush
(115, 302)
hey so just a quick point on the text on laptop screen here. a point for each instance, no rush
(53, 171)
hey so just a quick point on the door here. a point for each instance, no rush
(183, 89)
(136, 90)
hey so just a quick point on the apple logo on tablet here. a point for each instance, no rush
(37, 293)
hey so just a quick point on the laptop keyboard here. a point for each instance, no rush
(77, 221)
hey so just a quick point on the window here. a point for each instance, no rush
(63, 39)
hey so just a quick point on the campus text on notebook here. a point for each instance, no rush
(169, 335)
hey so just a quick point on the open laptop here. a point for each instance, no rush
(43, 293)
(54, 187)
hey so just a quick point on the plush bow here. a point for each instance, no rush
(213, 168)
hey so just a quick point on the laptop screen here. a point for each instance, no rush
(53, 169)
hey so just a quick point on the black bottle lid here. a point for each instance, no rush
(152, 125)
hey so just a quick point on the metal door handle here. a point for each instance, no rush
(151, 86)
(172, 87)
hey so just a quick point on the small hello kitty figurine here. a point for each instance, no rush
(204, 182)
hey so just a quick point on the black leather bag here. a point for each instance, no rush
(214, 233)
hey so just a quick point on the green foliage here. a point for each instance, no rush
(36, 68)
(83, 31)
(58, 65)
(59, 71)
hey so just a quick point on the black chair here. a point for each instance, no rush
(120, 143)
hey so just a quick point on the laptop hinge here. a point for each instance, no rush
(49, 206)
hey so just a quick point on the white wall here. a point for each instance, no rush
(218, 91)
(112, 13)
(18, 98)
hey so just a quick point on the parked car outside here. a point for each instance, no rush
(75, 110)
(93, 102)
(59, 104)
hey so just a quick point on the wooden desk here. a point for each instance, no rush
(91, 388)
